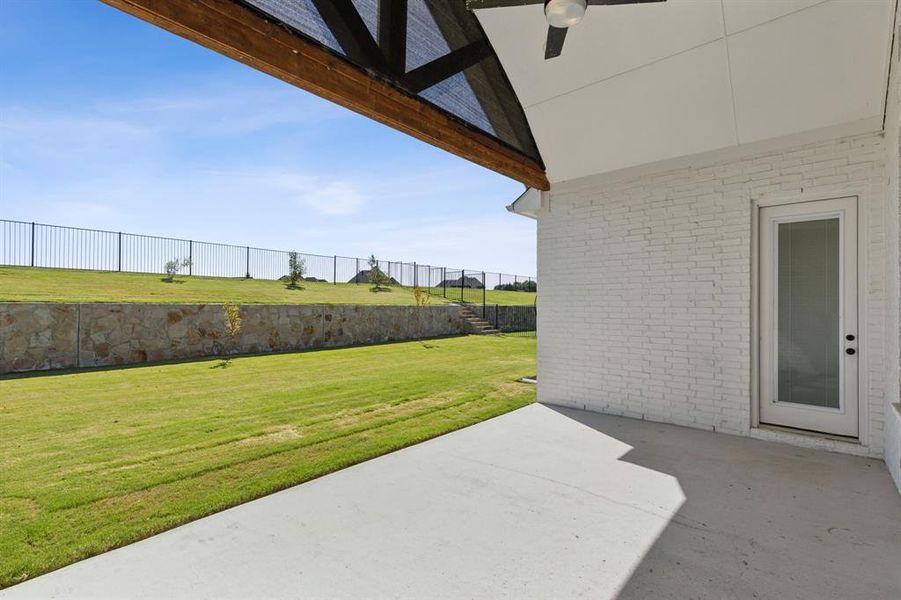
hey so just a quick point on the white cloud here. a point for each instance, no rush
(214, 109)
(63, 139)
(335, 199)
(110, 131)
(324, 196)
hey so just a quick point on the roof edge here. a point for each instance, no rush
(527, 204)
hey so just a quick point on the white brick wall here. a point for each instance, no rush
(893, 261)
(645, 300)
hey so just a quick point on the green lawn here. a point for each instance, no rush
(24, 284)
(93, 460)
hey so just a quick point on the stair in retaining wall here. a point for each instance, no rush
(479, 325)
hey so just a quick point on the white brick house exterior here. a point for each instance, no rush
(646, 283)
(647, 300)
(892, 436)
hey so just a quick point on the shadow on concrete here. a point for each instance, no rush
(761, 519)
(536, 503)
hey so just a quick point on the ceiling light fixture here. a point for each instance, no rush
(564, 13)
(560, 15)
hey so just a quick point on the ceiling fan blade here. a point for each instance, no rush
(555, 37)
(477, 4)
(615, 2)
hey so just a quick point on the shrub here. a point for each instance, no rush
(519, 286)
(232, 316)
(296, 268)
(174, 266)
(377, 277)
(422, 297)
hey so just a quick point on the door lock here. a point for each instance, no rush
(850, 351)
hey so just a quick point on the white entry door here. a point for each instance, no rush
(808, 316)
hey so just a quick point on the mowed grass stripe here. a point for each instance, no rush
(215, 459)
(94, 460)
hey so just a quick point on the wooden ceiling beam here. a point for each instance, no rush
(243, 34)
(488, 80)
(456, 61)
(346, 24)
(393, 34)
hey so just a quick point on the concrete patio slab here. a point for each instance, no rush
(538, 503)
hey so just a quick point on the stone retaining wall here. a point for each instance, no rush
(37, 336)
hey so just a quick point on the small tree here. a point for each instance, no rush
(174, 266)
(232, 316)
(422, 297)
(296, 269)
(377, 277)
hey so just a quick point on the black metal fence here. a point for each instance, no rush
(512, 319)
(54, 246)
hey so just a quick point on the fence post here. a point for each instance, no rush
(247, 275)
(444, 280)
(415, 275)
(335, 271)
(190, 257)
(32, 243)
(120, 251)
(484, 285)
(462, 282)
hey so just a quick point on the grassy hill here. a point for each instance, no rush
(25, 284)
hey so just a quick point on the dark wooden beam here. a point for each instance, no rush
(393, 35)
(488, 79)
(244, 35)
(346, 24)
(424, 77)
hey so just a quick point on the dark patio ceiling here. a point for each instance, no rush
(433, 49)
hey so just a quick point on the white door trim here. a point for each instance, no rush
(825, 193)
(774, 409)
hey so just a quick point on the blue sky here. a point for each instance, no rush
(108, 122)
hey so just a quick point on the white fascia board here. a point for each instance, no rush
(527, 204)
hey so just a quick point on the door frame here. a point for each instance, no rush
(830, 193)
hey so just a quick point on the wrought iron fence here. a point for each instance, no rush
(512, 319)
(55, 246)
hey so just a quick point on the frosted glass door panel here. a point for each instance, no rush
(808, 313)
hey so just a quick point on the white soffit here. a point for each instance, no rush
(744, 14)
(669, 108)
(643, 83)
(811, 69)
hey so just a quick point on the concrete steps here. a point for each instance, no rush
(479, 325)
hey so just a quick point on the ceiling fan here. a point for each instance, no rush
(560, 14)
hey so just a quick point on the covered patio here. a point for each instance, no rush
(668, 150)
(538, 503)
